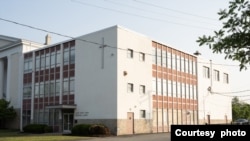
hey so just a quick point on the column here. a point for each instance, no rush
(1, 77)
(8, 86)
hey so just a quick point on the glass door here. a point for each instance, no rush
(68, 119)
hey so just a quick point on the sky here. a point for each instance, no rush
(176, 23)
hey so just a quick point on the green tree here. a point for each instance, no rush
(234, 38)
(7, 112)
(240, 109)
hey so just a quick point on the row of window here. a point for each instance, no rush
(50, 59)
(173, 61)
(216, 74)
(130, 54)
(50, 88)
(174, 89)
(130, 88)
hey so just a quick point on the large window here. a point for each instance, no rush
(142, 56)
(206, 72)
(216, 75)
(28, 65)
(130, 53)
(130, 88)
(66, 56)
(142, 113)
(27, 91)
(72, 55)
(142, 89)
(65, 86)
(225, 78)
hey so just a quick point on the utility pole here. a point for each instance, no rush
(103, 46)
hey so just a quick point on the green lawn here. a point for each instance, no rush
(7, 135)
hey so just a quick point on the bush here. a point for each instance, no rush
(37, 128)
(90, 130)
(81, 130)
(99, 129)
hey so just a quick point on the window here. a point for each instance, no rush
(130, 53)
(225, 78)
(53, 58)
(42, 61)
(72, 55)
(52, 88)
(66, 55)
(72, 85)
(206, 72)
(58, 58)
(142, 89)
(216, 75)
(36, 89)
(46, 88)
(142, 56)
(28, 65)
(41, 89)
(65, 85)
(143, 113)
(130, 88)
(27, 91)
(57, 87)
(37, 62)
(47, 60)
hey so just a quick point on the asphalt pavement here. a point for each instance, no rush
(139, 137)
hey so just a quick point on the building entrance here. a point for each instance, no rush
(68, 119)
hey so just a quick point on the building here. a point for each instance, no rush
(215, 105)
(114, 76)
(11, 60)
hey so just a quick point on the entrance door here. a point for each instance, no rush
(130, 123)
(68, 119)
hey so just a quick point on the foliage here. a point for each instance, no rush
(240, 109)
(81, 130)
(7, 112)
(37, 128)
(234, 38)
(90, 130)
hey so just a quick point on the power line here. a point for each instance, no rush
(137, 15)
(99, 44)
(178, 11)
(151, 11)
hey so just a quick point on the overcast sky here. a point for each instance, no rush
(176, 23)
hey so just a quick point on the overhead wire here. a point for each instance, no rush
(99, 44)
(174, 10)
(137, 15)
(158, 13)
(92, 42)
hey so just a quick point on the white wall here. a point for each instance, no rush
(96, 87)
(214, 104)
(138, 73)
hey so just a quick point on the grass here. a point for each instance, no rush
(10, 135)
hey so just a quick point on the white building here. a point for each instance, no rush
(11, 62)
(117, 77)
(214, 104)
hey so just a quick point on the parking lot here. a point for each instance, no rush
(141, 137)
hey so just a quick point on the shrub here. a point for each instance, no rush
(99, 129)
(37, 128)
(81, 130)
(90, 130)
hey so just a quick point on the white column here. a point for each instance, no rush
(8, 86)
(1, 77)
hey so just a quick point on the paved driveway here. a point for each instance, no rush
(141, 137)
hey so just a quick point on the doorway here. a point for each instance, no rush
(130, 123)
(68, 119)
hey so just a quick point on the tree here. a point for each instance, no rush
(240, 109)
(7, 112)
(234, 38)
